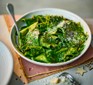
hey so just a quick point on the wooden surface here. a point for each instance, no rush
(4, 36)
(18, 69)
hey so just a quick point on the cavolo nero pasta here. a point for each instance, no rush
(51, 38)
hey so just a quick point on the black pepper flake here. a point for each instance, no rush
(24, 83)
(30, 69)
(18, 58)
(16, 78)
(20, 76)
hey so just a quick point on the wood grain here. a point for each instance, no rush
(18, 69)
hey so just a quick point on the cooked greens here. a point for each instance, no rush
(51, 39)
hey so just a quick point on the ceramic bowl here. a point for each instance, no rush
(51, 11)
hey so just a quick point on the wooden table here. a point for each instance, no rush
(85, 80)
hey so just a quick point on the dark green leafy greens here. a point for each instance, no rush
(51, 39)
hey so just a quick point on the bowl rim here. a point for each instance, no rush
(51, 64)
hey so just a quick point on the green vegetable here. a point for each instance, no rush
(29, 28)
(42, 58)
(51, 39)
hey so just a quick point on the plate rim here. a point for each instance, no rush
(12, 63)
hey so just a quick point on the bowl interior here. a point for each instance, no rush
(51, 11)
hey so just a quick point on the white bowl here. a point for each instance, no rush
(52, 11)
(6, 64)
